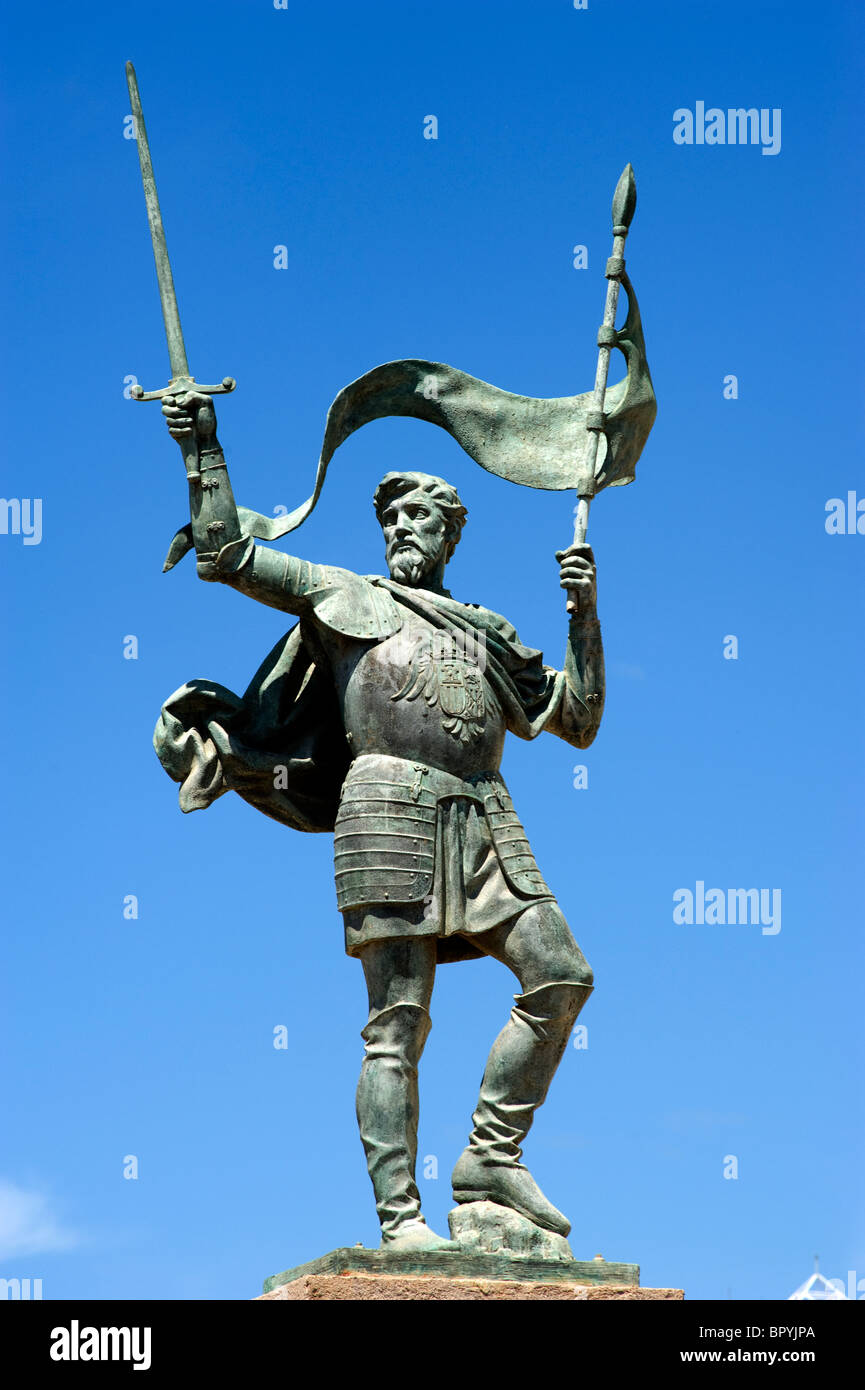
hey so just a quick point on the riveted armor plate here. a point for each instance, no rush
(512, 846)
(385, 832)
(384, 837)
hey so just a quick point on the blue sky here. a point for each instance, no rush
(154, 1037)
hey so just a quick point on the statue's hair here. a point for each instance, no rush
(445, 497)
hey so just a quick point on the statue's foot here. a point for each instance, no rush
(414, 1234)
(477, 1178)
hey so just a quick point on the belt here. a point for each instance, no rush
(424, 777)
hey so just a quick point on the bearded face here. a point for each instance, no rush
(415, 536)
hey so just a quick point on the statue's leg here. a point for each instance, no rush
(556, 981)
(399, 976)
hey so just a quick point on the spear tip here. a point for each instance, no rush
(625, 198)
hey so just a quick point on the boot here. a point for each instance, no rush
(387, 1115)
(518, 1073)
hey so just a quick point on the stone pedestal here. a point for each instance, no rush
(494, 1254)
(546, 1272)
(383, 1288)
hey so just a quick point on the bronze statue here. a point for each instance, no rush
(416, 691)
(381, 716)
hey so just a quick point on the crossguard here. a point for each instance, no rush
(179, 385)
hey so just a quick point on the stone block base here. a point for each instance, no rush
(464, 1272)
(379, 1288)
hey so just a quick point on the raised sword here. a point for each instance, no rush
(181, 382)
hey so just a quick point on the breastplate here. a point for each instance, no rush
(446, 672)
(423, 694)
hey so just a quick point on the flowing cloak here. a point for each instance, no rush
(282, 745)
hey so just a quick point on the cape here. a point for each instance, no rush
(282, 746)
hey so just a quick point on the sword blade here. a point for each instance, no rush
(168, 298)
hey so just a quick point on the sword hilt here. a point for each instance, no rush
(180, 386)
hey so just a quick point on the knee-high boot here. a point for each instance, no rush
(387, 1114)
(518, 1073)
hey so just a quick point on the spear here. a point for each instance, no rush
(624, 203)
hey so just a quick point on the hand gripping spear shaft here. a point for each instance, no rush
(213, 523)
(624, 203)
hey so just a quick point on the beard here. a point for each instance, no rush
(410, 564)
(409, 567)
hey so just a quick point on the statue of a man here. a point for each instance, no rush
(382, 716)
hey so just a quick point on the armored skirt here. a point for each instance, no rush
(421, 852)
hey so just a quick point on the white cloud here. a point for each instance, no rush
(28, 1226)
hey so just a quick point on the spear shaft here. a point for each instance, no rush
(624, 203)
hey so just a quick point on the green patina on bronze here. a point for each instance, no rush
(382, 716)
(457, 1265)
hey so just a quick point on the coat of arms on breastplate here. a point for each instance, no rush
(448, 672)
